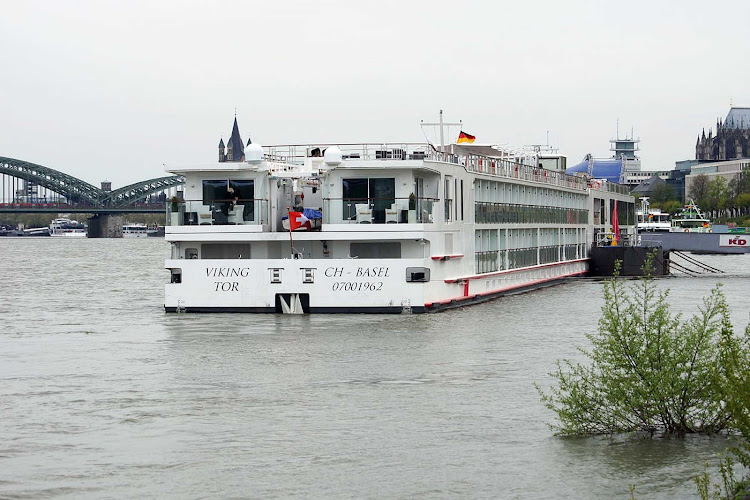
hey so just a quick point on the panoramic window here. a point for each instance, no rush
(244, 189)
(214, 190)
(378, 194)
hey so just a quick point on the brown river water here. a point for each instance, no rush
(103, 395)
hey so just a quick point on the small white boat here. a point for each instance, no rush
(690, 220)
(653, 220)
(136, 231)
(67, 228)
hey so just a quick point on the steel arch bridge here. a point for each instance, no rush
(81, 194)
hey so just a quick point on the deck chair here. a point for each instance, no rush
(391, 215)
(363, 213)
(235, 216)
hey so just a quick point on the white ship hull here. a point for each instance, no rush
(68, 235)
(343, 286)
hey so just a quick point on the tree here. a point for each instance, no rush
(718, 195)
(661, 194)
(699, 189)
(741, 183)
(650, 371)
(672, 206)
(743, 200)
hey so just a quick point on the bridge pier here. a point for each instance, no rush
(105, 226)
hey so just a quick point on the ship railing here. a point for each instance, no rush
(610, 187)
(489, 261)
(297, 153)
(606, 239)
(378, 210)
(513, 169)
(491, 212)
(248, 211)
(486, 261)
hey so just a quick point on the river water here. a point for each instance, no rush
(103, 395)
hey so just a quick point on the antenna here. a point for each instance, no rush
(441, 124)
(618, 129)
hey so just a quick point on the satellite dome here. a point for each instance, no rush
(253, 153)
(332, 156)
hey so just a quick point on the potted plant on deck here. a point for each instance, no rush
(175, 215)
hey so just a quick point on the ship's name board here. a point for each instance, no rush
(227, 272)
(358, 272)
(349, 278)
(732, 240)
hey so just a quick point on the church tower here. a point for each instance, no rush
(235, 151)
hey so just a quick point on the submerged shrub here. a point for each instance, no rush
(650, 371)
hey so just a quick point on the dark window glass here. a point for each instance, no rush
(245, 190)
(379, 194)
(226, 251)
(354, 192)
(376, 250)
(383, 194)
(214, 190)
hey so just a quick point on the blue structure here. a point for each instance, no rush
(610, 169)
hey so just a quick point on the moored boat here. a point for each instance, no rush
(67, 228)
(137, 231)
(690, 220)
(403, 227)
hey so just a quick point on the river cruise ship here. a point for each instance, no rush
(379, 228)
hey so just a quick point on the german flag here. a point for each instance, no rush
(463, 137)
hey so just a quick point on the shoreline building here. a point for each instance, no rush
(726, 154)
(732, 139)
(624, 167)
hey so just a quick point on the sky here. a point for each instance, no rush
(115, 90)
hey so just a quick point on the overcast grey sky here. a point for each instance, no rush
(114, 89)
